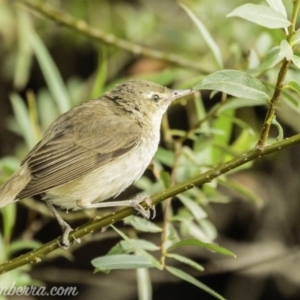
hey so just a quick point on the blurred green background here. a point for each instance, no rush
(47, 68)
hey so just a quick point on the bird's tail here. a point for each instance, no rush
(14, 185)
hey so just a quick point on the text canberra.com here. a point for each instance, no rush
(31, 290)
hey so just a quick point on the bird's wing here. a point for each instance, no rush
(72, 153)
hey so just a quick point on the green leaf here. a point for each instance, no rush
(253, 60)
(200, 110)
(261, 15)
(24, 51)
(235, 83)
(22, 245)
(196, 231)
(165, 178)
(186, 277)
(197, 211)
(243, 190)
(121, 261)
(206, 35)
(197, 243)
(245, 140)
(141, 224)
(291, 101)
(296, 38)
(165, 77)
(286, 50)
(186, 261)
(294, 85)
(101, 74)
(223, 124)
(171, 234)
(9, 164)
(165, 156)
(279, 128)
(47, 109)
(142, 252)
(235, 103)
(278, 6)
(22, 119)
(51, 74)
(272, 58)
(296, 61)
(9, 218)
(124, 247)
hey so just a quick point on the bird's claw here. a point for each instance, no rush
(140, 209)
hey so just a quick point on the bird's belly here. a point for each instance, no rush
(105, 182)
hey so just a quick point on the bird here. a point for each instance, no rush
(94, 151)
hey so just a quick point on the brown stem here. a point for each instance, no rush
(262, 142)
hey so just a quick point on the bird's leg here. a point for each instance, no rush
(65, 227)
(134, 203)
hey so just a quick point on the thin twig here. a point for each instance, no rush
(36, 255)
(83, 28)
(262, 142)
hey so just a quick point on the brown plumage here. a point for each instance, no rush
(95, 150)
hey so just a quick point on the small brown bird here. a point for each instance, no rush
(94, 151)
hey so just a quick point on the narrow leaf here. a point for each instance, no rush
(165, 178)
(145, 254)
(165, 156)
(286, 50)
(243, 190)
(186, 261)
(9, 217)
(23, 244)
(294, 85)
(296, 38)
(101, 74)
(253, 60)
(235, 83)
(261, 15)
(51, 74)
(279, 128)
(296, 61)
(22, 119)
(186, 277)
(197, 243)
(24, 50)
(236, 103)
(206, 35)
(272, 58)
(121, 261)
(278, 6)
(124, 247)
(141, 224)
(197, 211)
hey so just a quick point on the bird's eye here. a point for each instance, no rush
(155, 98)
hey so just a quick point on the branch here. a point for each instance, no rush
(98, 35)
(280, 79)
(36, 255)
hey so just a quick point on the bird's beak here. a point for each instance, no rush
(181, 93)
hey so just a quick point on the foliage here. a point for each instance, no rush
(267, 74)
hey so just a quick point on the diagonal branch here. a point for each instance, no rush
(98, 35)
(36, 255)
